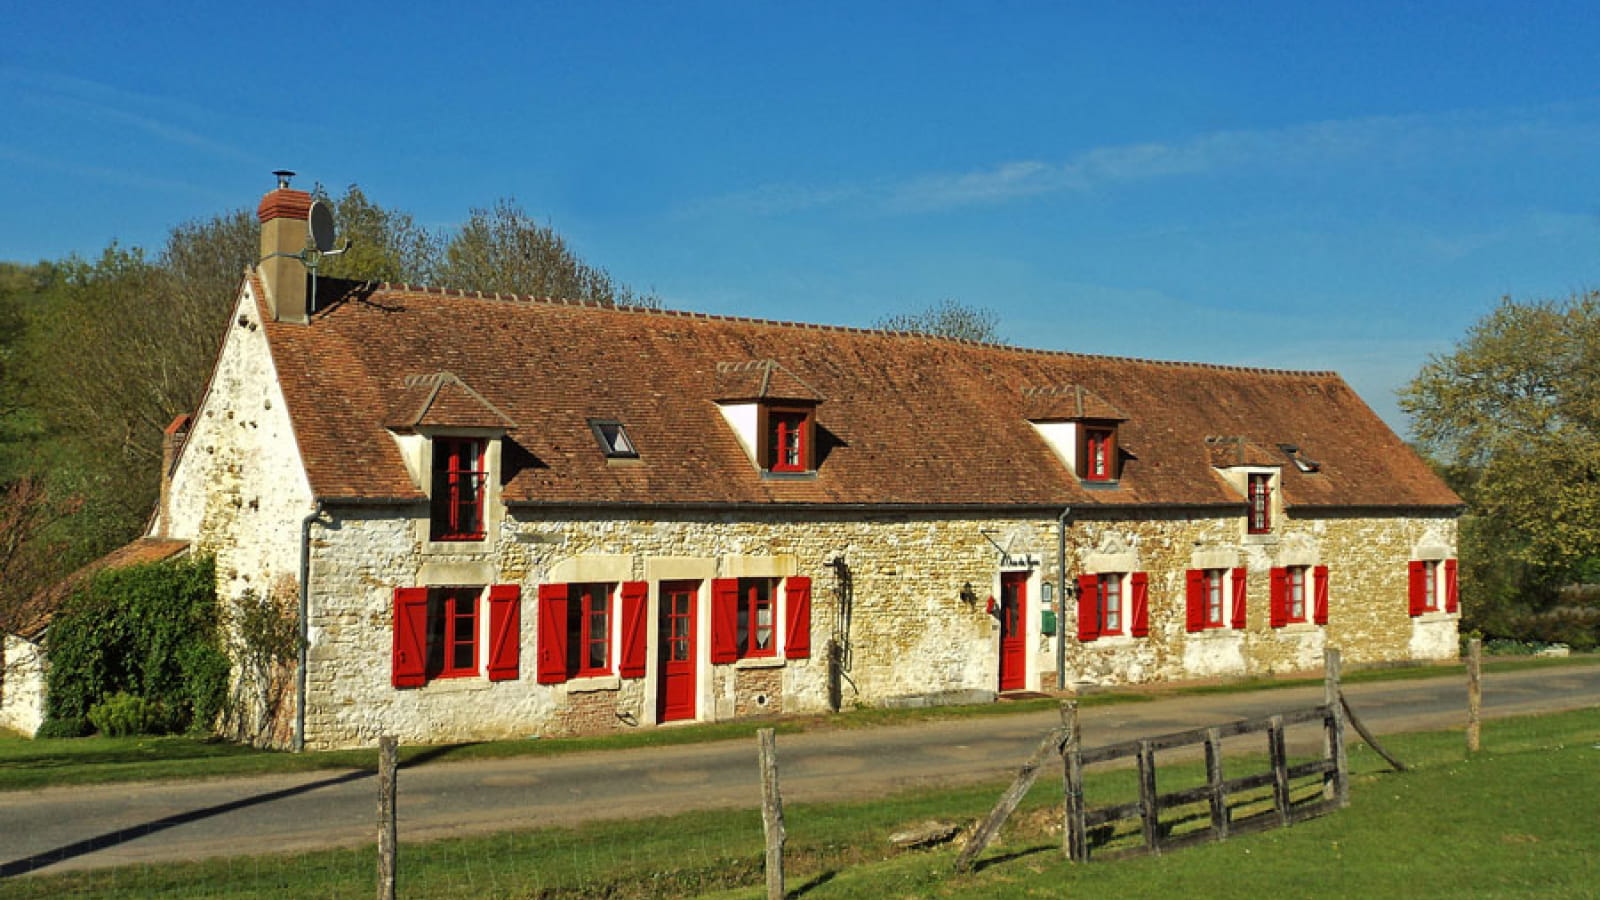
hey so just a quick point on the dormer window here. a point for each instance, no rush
(788, 437)
(1099, 453)
(460, 479)
(1259, 495)
(613, 439)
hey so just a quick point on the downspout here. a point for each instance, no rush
(1061, 598)
(305, 628)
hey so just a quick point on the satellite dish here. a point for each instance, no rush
(322, 227)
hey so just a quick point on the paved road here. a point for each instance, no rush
(57, 829)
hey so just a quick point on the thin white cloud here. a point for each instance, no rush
(116, 110)
(1394, 140)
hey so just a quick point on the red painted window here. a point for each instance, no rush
(1239, 577)
(1292, 587)
(1260, 497)
(1111, 603)
(756, 631)
(452, 632)
(459, 481)
(1295, 608)
(588, 630)
(1204, 599)
(788, 440)
(1099, 454)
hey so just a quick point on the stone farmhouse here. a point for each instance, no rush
(496, 516)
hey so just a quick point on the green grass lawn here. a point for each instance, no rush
(1515, 820)
(27, 764)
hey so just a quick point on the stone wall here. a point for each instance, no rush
(22, 685)
(239, 492)
(913, 618)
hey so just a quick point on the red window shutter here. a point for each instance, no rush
(1319, 581)
(635, 612)
(1280, 597)
(552, 667)
(724, 620)
(1141, 604)
(410, 637)
(1239, 576)
(797, 599)
(1088, 607)
(1418, 584)
(1195, 599)
(505, 631)
(1452, 599)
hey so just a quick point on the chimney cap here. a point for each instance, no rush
(283, 176)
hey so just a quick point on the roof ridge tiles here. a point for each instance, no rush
(852, 329)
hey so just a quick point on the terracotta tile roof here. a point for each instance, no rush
(31, 620)
(1068, 402)
(1226, 451)
(908, 419)
(762, 379)
(442, 400)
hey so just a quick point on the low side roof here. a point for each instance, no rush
(907, 419)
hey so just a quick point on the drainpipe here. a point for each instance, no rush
(305, 628)
(1061, 598)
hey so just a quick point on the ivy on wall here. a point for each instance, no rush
(147, 631)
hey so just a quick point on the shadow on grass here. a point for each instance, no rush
(820, 880)
(1021, 853)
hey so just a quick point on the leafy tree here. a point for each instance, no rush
(503, 249)
(385, 244)
(1513, 417)
(947, 318)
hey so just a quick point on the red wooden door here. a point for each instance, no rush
(1013, 630)
(676, 692)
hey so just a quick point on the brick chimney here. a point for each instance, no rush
(283, 214)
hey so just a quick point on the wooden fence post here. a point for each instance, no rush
(1336, 786)
(1074, 840)
(1219, 788)
(771, 812)
(1149, 809)
(387, 831)
(1009, 800)
(1474, 693)
(1280, 768)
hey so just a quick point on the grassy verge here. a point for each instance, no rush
(27, 764)
(1511, 821)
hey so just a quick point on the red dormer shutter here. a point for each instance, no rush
(797, 607)
(1418, 586)
(1194, 583)
(635, 607)
(410, 637)
(1280, 597)
(1319, 608)
(505, 631)
(1088, 607)
(552, 668)
(1141, 604)
(1239, 576)
(724, 620)
(1452, 600)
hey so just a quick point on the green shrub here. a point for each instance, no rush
(124, 715)
(148, 631)
(65, 727)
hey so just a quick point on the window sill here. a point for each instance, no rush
(759, 662)
(445, 547)
(1298, 628)
(1437, 615)
(769, 475)
(1258, 539)
(1106, 485)
(1215, 633)
(1112, 640)
(591, 683)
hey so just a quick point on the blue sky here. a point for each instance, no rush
(1312, 186)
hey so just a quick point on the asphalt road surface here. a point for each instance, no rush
(59, 829)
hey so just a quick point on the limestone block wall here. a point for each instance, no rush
(22, 685)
